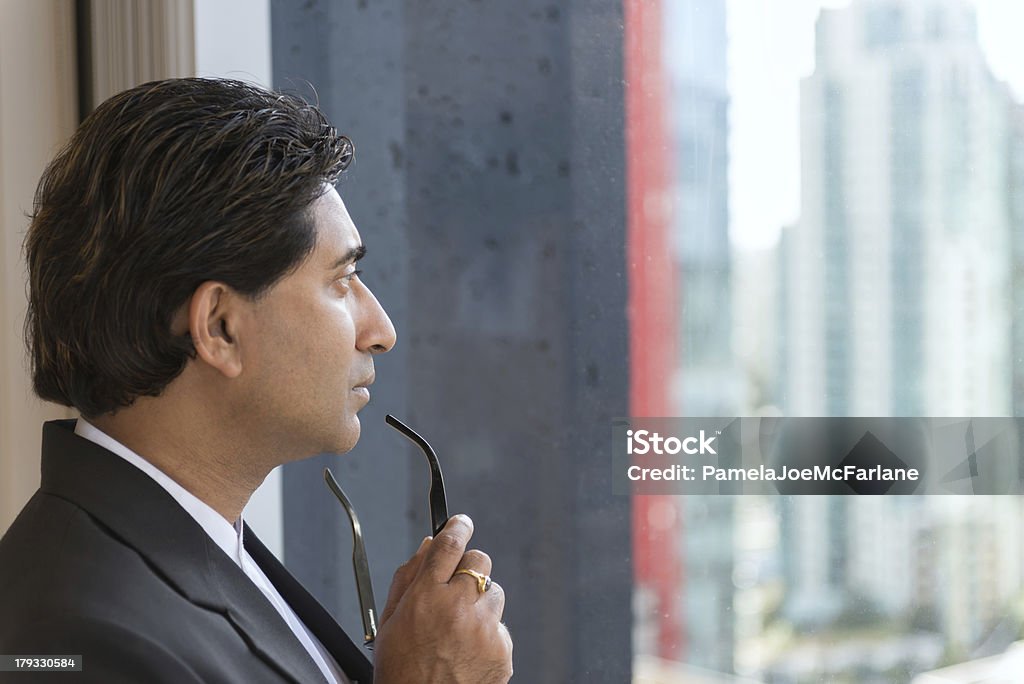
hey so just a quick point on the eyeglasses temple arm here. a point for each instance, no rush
(364, 585)
(438, 500)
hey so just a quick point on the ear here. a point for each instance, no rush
(214, 320)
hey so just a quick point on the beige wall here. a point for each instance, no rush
(38, 111)
(133, 42)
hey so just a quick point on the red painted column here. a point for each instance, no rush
(652, 302)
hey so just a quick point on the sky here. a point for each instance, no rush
(770, 48)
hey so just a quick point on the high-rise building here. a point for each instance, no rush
(705, 382)
(1016, 194)
(900, 263)
(898, 273)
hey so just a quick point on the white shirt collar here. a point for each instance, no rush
(225, 535)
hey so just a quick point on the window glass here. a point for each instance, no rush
(847, 184)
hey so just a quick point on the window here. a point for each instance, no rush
(874, 192)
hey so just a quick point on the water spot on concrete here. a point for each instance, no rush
(512, 163)
(396, 154)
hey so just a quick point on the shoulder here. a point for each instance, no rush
(69, 585)
(56, 561)
(56, 550)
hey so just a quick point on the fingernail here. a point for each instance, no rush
(423, 544)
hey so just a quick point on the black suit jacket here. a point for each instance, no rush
(102, 562)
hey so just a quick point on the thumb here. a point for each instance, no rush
(404, 576)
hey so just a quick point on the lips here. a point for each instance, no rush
(362, 387)
(366, 382)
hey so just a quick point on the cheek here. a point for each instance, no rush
(331, 340)
(287, 345)
(310, 342)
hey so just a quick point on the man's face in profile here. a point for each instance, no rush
(310, 362)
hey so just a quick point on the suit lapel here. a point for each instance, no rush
(260, 624)
(351, 658)
(143, 515)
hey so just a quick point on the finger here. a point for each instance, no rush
(506, 645)
(493, 600)
(404, 576)
(477, 560)
(445, 552)
(474, 564)
(506, 635)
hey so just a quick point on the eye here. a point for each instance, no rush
(345, 281)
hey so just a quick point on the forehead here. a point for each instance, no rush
(336, 233)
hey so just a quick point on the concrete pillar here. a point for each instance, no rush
(489, 188)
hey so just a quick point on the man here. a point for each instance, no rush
(194, 295)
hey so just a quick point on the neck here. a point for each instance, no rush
(192, 448)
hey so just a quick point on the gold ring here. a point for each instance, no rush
(483, 582)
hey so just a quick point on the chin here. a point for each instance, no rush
(345, 439)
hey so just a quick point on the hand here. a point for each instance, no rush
(436, 625)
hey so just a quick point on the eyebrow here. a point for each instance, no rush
(354, 254)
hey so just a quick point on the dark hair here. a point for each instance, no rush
(163, 187)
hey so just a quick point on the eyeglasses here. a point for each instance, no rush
(438, 518)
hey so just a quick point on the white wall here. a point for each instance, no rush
(233, 39)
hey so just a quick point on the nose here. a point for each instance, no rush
(376, 333)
